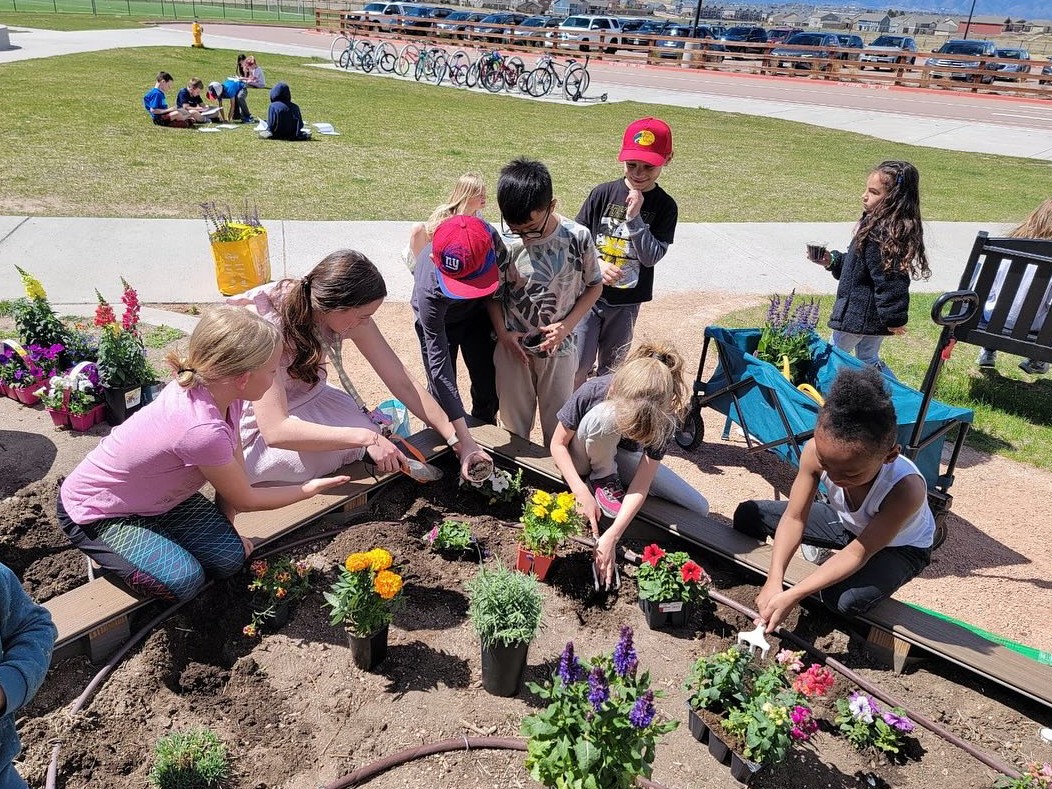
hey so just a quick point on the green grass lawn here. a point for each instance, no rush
(113, 14)
(78, 142)
(1013, 410)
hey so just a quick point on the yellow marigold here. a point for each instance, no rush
(559, 515)
(380, 559)
(542, 498)
(566, 500)
(357, 562)
(540, 511)
(34, 289)
(387, 584)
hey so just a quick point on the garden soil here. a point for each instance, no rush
(296, 713)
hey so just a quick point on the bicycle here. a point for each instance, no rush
(431, 66)
(339, 45)
(497, 73)
(407, 59)
(544, 76)
(459, 65)
(576, 81)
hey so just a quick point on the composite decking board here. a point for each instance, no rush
(946, 639)
(95, 603)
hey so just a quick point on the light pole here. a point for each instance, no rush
(968, 24)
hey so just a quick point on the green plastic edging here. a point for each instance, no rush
(1045, 658)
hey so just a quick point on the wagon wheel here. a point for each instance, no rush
(940, 530)
(692, 432)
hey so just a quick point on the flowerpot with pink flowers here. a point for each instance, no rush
(670, 585)
(123, 367)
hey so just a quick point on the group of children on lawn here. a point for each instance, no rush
(531, 308)
(284, 119)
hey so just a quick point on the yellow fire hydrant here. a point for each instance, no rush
(196, 30)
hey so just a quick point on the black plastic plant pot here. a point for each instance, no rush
(698, 727)
(121, 403)
(274, 623)
(368, 651)
(503, 667)
(720, 751)
(742, 770)
(667, 614)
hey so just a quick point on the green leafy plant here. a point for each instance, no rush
(276, 582)
(788, 334)
(500, 486)
(1037, 776)
(367, 593)
(547, 520)
(861, 720)
(669, 577)
(160, 336)
(765, 726)
(192, 759)
(450, 535)
(718, 682)
(35, 321)
(505, 606)
(600, 728)
(122, 357)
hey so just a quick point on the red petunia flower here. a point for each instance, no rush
(691, 572)
(653, 554)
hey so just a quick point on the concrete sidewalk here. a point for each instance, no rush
(73, 256)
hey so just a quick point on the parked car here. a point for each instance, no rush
(538, 27)
(964, 53)
(632, 23)
(383, 14)
(458, 23)
(650, 27)
(679, 35)
(776, 35)
(1046, 71)
(848, 41)
(889, 49)
(417, 19)
(738, 38)
(803, 47)
(603, 32)
(1020, 66)
(494, 28)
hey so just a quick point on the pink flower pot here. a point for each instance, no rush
(98, 413)
(82, 422)
(9, 390)
(59, 417)
(27, 395)
(3, 389)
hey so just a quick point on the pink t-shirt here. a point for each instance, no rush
(149, 464)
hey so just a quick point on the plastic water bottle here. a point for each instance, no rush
(615, 251)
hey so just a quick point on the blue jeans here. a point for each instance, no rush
(865, 346)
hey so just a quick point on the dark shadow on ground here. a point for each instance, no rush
(16, 447)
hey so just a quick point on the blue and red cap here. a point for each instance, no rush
(462, 251)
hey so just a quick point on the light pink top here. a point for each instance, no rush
(149, 464)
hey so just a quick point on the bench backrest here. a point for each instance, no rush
(1012, 278)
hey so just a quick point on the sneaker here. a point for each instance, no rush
(609, 494)
(814, 554)
(987, 358)
(1033, 367)
(250, 119)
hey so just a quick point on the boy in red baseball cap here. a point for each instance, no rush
(633, 222)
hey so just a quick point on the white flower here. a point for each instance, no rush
(499, 481)
(84, 385)
(861, 709)
(58, 383)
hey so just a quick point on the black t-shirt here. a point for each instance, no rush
(604, 209)
(185, 98)
(590, 394)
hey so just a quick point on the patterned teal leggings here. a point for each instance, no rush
(167, 556)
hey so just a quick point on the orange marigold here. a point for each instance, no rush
(357, 562)
(380, 559)
(387, 584)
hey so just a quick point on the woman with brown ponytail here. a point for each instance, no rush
(134, 503)
(302, 427)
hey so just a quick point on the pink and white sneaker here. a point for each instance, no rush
(608, 494)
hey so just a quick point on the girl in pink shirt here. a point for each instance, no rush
(133, 504)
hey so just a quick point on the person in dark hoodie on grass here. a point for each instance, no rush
(284, 120)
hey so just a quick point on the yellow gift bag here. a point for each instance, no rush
(243, 263)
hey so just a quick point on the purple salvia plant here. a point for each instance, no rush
(625, 659)
(642, 713)
(570, 668)
(598, 689)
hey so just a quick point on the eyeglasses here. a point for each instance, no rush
(533, 233)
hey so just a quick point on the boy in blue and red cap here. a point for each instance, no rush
(453, 279)
(633, 222)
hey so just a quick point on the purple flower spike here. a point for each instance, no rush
(598, 690)
(642, 714)
(569, 665)
(625, 659)
(898, 722)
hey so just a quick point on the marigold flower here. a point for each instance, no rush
(542, 497)
(653, 554)
(34, 290)
(559, 515)
(302, 568)
(283, 577)
(357, 562)
(387, 584)
(259, 568)
(539, 511)
(566, 501)
(379, 559)
(691, 572)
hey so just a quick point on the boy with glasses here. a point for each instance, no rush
(548, 282)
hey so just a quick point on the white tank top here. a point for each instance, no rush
(919, 530)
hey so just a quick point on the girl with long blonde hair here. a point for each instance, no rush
(612, 435)
(468, 198)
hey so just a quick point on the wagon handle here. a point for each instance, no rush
(963, 304)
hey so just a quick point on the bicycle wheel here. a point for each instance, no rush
(440, 68)
(522, 86)
(576, 84)
(386, 55)
(471, 76)
(420, 70)
(407, 59)
(540, 83)
(368, 60)
(339, 45)
(345, 58)
(492, 79)
(361, 47)
(459, 63)
(513, 69)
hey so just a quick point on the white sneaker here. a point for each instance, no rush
(814, 554)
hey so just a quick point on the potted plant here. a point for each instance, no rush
(123, 368)
(39, 365)
(764, 728)
(505, 610)
(861, 720)
(54, 400)
(363, 600)
(275, 586)
(785, 340)
(35, 320)
(452, 537)
(669, 585)
(82, 402)
(547, 520)
(499, 486)
(600, 727)
(716, 684)
(10, 361)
